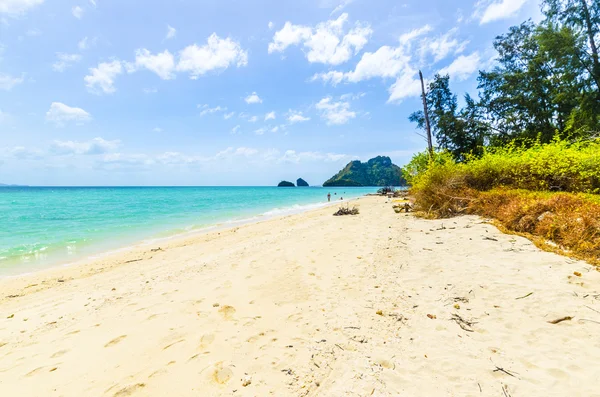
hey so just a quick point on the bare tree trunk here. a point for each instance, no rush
(426, 113)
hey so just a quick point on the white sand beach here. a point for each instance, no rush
(310, 305)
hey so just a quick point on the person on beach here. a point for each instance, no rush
(328, 196)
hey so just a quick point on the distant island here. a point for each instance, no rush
(286, 184)
(5, 185)
(379, 171)
(301, 183)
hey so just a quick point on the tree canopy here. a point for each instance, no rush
(545, 83)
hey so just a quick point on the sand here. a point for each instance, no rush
(309, 305)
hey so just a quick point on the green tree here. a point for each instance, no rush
(518, 92)
(569, 36)
(459, 132)
(583, 17)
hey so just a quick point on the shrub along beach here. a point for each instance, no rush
(526, 152)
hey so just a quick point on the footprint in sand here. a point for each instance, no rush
(35, 371)
(174, 343)
(221, 374)
(115, 341)
(129, 390)
(206, 340)
(227, 312)
(58, 354)
(254, 338)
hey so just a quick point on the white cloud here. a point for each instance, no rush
(120, 161)
(253, 98)
(157, 129)
(407, 38)
(405, 86)
(296, 117)
(163, 64)
(86, 43)
(17, 7)
(351, 96)
(23, 153)
(208, 110)
(341, 6)
(275, 129)
(334, 77)
(270, 116)
(271, 25)
(326, 43)
(498, 9)
(7, 82)
(253, 119)
(103, 77)
(94, 146)
(93, 3)
(235, 129)
(150, 90)
(171, 32)
(386, 62)
(227, 116)
(391, 62)
(235, 152)
(216, 54)
(60, 113)
(463, 66)
(4, 116)
(335, 113)
(443, 45)
(77, 12)
(291, 156)
(260, 131)
(64, 61)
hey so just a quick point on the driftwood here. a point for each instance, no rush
(346, 211)
(560, 320)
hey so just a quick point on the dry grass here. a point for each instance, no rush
(571, 221)
(566, 223)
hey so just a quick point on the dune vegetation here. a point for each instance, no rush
(526, 152)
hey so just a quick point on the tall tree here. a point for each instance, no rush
(518, 92)
(583, 17)
(570, 36)
(447, 126)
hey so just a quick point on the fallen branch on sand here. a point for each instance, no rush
(346, 211)
(507, 372)
(464, 324)
(560, 320)
(524, 296)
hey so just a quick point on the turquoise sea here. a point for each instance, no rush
(47, 226)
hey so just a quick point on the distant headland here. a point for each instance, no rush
(379, 171)
(300, 183)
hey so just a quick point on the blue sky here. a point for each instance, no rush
(227, 92)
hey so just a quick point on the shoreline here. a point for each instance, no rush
(99, 249)
(376, 304)
(142, 247)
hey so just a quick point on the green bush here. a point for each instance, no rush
(556, 166)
